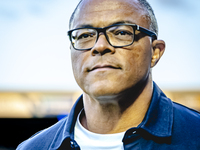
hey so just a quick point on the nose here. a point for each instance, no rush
(102, 46)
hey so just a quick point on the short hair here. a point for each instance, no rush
(73, 14)
(150, 14)
(153, 21)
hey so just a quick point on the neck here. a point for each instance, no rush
(117, 115)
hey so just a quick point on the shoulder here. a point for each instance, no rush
(186, 123)
(185, 113)
(43, 139)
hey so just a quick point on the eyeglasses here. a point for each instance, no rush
(118, 35)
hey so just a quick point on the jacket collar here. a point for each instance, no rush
(78, 106)
(66, 130)
(159, 117)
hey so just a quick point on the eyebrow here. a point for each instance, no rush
(84, 26)
(118, 22)
(121, 22)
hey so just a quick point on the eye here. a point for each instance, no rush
(123, 32)
(85, 35)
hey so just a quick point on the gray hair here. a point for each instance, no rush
(150, 14)
(153, 21)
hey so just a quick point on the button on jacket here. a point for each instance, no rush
(166, 126)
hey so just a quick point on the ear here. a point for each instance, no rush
(158, 50)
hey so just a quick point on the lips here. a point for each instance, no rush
(102, 67)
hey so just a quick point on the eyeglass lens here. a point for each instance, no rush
(119, 35)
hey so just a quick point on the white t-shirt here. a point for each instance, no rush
(92, 141)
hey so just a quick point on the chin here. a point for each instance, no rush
(104, 93)
(107, 99)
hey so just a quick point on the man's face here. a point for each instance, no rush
(105, 70)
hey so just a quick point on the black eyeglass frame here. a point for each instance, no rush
(103, 30)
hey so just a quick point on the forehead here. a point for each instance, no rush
(101, 13)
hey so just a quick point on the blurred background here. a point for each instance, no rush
(37, 87)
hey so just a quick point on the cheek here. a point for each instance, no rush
(74, 59)
(143, 53)
(77, 61)
(138, 61)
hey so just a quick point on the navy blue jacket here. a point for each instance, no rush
(166, 126)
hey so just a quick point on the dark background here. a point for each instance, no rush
(14, 131)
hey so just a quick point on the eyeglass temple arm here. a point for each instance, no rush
(148, 32)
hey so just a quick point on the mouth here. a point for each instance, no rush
(103, 67)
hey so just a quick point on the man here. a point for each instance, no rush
(114, 47)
